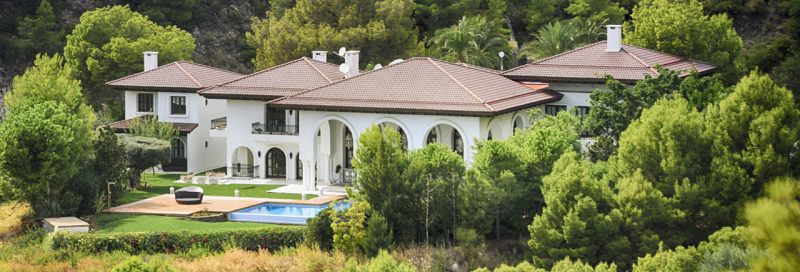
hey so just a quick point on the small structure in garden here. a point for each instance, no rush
(70, 224)
(189, 195)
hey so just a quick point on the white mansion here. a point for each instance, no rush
(301, 120)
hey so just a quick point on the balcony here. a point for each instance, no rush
(219, 123)
(274, 129)
(219, 127)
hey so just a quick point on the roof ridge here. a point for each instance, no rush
(639, 60)
(209, 67)
(317, 69)
(669, 54)
(188, 74)
(553, 56)
(253, 74)
(139, 73)
(460, 84)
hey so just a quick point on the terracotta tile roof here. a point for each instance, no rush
(122, 126)
(286, 79)
(176, 76)
(592, 63)
(422, 85)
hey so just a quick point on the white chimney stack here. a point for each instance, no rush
(351, 59)
(614, 38)
(150, 60)
(320, 56)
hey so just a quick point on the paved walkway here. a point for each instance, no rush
(166, 205)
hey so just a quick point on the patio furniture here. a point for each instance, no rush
(189, 195)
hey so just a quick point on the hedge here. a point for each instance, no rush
(272, 239)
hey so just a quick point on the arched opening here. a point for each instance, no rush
(242, 163)
(403, 136)
(334, 147)
(298, 166)
(276, 163)
(495, 131)
(177, 160)
(447, 135)
(519, 123)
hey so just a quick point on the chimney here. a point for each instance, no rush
(613, 38)
(320, 56)
(150, 60)
(351, 59)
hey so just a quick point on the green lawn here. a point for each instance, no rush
(159, 184)
(111, 223)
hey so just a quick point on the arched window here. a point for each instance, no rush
(178, 148)
(348, 148)
(458, 143)
(489, 137)
(276, 163)
(518, 123)
(433, 137)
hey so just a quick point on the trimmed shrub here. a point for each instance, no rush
(318, 230)
(271, 239)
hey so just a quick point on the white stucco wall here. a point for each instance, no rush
(199, 157)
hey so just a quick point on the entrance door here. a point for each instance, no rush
(276, 163)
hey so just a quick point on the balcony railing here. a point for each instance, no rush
(276, 129)
(243, 170)
(219, 123)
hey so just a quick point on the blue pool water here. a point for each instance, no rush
(280, 213)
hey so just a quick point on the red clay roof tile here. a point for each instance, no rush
(593, 63)
(176, 76)
(420, 85)
(286, 79)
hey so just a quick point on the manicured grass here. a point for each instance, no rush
(111, 223)
(159, 184)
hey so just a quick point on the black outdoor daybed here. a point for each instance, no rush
(189, 195)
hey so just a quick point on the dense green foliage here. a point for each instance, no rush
(40, 33)
(172, 12)
(143, 153)
(615, 107)
(149, 126)
(557, 37)
(318, 230)
(165, 242)
(45, 138)
(683, 29)
(108, 44)
(474, 40)
(431, 15)
(599, 11)
(507, 175)
(382, 30)
(774, 226)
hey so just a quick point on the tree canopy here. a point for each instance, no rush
(474, 40)
(382, 30)
(40, 33)
(108, 43)
(683, 29)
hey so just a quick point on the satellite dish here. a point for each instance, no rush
(377, 66)
(344, 67)
(396, 61)
(501, 54)
(341, 51)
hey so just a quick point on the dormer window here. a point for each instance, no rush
(144, 102)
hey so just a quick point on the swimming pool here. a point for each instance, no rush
(281, 213)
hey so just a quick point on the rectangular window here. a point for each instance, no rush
(583, 113)
(145, 102)
(177, 105)
(554, 109)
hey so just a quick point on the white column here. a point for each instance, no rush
(308, 174)
(325, 167)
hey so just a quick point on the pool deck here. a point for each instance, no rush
(166, 205)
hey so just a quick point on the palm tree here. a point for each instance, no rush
(474, 40)
(558, 37)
